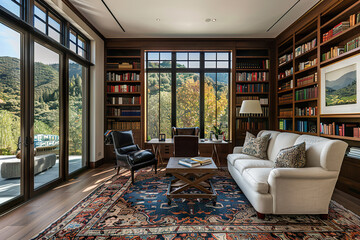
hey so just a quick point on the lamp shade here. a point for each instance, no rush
(250, 106)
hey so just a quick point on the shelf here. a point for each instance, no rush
(285, 64)
(307, 38)
(306, 85)
(123, 57)
(350, 32)
(252, 82)
(305, 116)
(252, 93)
(306, 100)
(123, 105)
(285, 90)
(123, 70)
(306, 53)
(340, 57)
(287, 103)
(129, 93)
(340, 137)
(308, 133)
(251, 57)
(290, 76)
(340, 116)
(124, 117)
(285, 51)
(306, 69)
(348, 11)
(252, 117)
(123, 82)
(252, 69)
(280, 130)
(280, 117)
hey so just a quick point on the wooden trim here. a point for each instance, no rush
(98, 163)
(84, 19)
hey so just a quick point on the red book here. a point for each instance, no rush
(356, 132)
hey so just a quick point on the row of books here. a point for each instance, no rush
(286, 98)
(255, 124)
(286, 85)
(353, 152)
(306, 111)
(307, 64)
(240, 99)
(195, 161)
(265, 113)
(354, 19)
(285, 58)
(111, 76)
(123, 88)
(124, 65)
(305, 126)
(334, 52)
(252, 76)
(285, 124)
(285, 112)
(124, 112)
(286, 73)
(340, 129)
(339, 28)
(254, 64)
(307, 80)
(252, 88)
(112, 124)
(124, 100)
(352, 44)
(306, 93)
(305, 47)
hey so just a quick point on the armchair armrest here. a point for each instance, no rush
(237, 149)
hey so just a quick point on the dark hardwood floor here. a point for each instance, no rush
(33, 216)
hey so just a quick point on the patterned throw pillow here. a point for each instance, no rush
(291, 157)
(256, 147)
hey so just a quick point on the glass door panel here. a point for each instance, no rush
(46, 115)
(10, 114)
(77, 76)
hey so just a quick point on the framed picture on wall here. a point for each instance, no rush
(340, 87)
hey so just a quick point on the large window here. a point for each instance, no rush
(187, 89)
(13, 6)
(77, 43)
(47, 22)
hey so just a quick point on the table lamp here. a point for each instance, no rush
(250, 107)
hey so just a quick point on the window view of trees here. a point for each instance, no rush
(10, 105)
(188, 87)
(76, 75)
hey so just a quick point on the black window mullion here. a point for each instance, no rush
(202, 95)
(159, 102)
(173, 89)
(47, 23)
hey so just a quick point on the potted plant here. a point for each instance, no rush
(217, 134)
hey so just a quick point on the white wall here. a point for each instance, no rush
(96, 79)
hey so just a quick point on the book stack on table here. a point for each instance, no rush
(195, 161)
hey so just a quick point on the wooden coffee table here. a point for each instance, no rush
(190, 177)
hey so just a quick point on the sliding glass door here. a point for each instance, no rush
(11, 156)
(77, 77)
(46, 128)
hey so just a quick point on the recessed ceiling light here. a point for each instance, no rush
(158, 19)
(214, 19)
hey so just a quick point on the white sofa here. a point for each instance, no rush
(305, 190)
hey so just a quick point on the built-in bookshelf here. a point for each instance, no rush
(252, 82)
(123, 91)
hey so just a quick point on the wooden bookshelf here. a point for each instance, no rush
(252, 81)
(123, 91)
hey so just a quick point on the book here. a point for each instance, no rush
(188, 162)
(203, 160)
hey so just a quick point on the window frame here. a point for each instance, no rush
(21, 5)
(201, 70)
(78, 35)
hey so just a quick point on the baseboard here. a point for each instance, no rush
(97, 163)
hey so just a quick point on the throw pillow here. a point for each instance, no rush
(291, 157)
(256, 147)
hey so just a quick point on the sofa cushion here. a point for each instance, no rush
(256, 147)
(257, 178)
(245, 164)
(291, 157)
(283, 140)
(239, 156)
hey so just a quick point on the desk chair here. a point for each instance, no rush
(186, 146)
(185, 131)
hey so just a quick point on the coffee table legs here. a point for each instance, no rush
(183, 182)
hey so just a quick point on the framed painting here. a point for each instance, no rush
(340, 87)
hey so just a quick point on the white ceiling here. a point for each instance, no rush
(186, 18)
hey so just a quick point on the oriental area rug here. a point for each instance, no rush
(120, 210)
